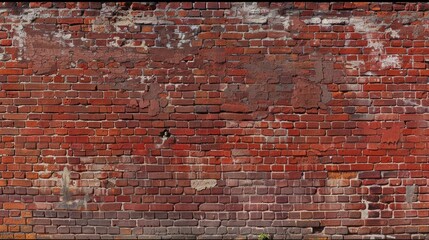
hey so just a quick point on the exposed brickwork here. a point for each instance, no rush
(214, 120)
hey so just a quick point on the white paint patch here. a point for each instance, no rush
(364, 24)
(376, 45)
(355, 64)
(313, 20)
(61, 37)
(252, 13)
(201, 184)
(381, 236)
(393, 33)
(335, 21)
(113, 42)
(286, 22)
(390, 61)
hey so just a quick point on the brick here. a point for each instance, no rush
(10, 71)
(70, 20)
(111, 207)
(369, 175)
(15, 205)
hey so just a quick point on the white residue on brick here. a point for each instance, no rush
(62, 37)
(113, 42)
(354, 64)
(376, 45)
(27, 17)
(364, 24)
(393, 33)
(335, 21)
(390, 61)
(313, 20)
(253, 14)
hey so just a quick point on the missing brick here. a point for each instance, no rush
(318, 229)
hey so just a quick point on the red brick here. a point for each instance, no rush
(370, 175)
(111, 207)
(70, 20)
(209, 35)
(10, 71)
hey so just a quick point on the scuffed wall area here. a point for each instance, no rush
(214, 120)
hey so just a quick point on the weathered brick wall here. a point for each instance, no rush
(214, 120)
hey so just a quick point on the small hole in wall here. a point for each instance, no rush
(318, 229)
(165, 133)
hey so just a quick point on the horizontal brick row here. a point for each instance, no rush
(213, 120)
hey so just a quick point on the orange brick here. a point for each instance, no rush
(14, 221)
(26, 214)
(13, 228)
(14, 205)
(30, 236)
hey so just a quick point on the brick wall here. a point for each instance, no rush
(214, 120)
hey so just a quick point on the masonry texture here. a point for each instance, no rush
(214, 120)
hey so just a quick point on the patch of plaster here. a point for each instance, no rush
(18, 28)
(201, 184)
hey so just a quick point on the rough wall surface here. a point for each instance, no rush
(214, 120)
